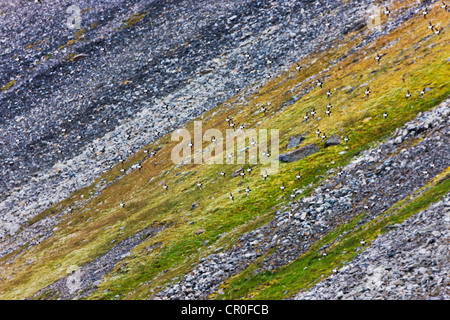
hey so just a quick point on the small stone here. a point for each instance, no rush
(200, 231)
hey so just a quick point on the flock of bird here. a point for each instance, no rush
(312, 114)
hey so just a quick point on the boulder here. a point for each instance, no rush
(294, 141)
(333, 140)
(299, 154)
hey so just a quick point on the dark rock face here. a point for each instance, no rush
(299, 154)
(333, 140)
(294, 141)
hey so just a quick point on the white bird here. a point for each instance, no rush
(385, 115)
(378, 58)
(122, 205)
(247, 190)
(319, 83)
(265, 176)
(282, 187)
(318, 133)
(408, 95)
(231, 197)
(298, 176)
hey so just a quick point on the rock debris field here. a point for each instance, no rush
(410, 262)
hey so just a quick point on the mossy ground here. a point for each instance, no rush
(94, 227)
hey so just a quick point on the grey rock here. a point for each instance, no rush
(333, 140)
(299, 154)
(295, 141)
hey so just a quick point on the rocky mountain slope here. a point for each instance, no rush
(86, 124)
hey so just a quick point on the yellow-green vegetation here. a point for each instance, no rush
(135, 18)
(31, 45)
(78, 36)
(8, 85)
(94, 225)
